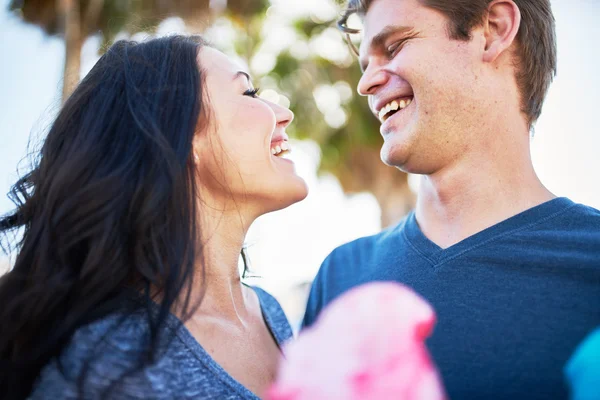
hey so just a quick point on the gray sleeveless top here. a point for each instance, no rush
(184, 370)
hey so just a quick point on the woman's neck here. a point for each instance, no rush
(217, 285)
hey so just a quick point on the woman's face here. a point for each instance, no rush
(239, 154)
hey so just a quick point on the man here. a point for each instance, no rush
(512, 271)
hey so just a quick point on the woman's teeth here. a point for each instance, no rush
(393, 106)
(280, 149)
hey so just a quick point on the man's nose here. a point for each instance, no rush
(372, 79)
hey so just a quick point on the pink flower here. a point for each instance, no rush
(367, 344)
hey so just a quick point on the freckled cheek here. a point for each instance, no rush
(404, 65)
(415, 67)
(443, 76)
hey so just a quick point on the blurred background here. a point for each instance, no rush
(299, 60)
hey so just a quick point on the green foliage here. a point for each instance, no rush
(344, 127)
(131, 16)
(295, 77)
(236, 8)
(298, 79)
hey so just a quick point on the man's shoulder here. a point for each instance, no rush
(359, 260)
(586, 213)
(578, 221)
(366, 245)
(348, 264)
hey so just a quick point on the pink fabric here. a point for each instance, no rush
(367, 344)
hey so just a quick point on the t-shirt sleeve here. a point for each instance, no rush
(316, 297)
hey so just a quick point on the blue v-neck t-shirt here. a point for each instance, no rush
(513, 301)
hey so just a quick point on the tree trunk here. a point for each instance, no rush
(70, 15)
(92, 14)
(364, 171)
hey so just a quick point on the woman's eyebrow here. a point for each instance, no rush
(242, 73)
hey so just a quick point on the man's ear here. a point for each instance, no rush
(501, 25)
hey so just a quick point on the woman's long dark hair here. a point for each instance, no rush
(109, 204)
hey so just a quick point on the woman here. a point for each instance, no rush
(126, 284)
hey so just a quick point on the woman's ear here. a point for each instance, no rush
(196, 149)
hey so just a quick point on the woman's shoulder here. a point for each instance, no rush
(105, 357)
(96, 355)
(108, 359)
(274, 315)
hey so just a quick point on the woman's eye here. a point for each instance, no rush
(252, 92)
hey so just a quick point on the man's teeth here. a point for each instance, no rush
(280, 148)
(394, 105)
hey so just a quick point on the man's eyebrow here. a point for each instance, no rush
(378, 40)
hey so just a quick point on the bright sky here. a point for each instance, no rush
(287, 247)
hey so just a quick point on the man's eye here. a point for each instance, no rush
(395, 48)
(252, 92)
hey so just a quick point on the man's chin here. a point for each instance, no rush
(392, 156)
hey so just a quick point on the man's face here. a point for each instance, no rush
(422, 85)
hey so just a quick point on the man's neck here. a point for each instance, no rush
(463, 200)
